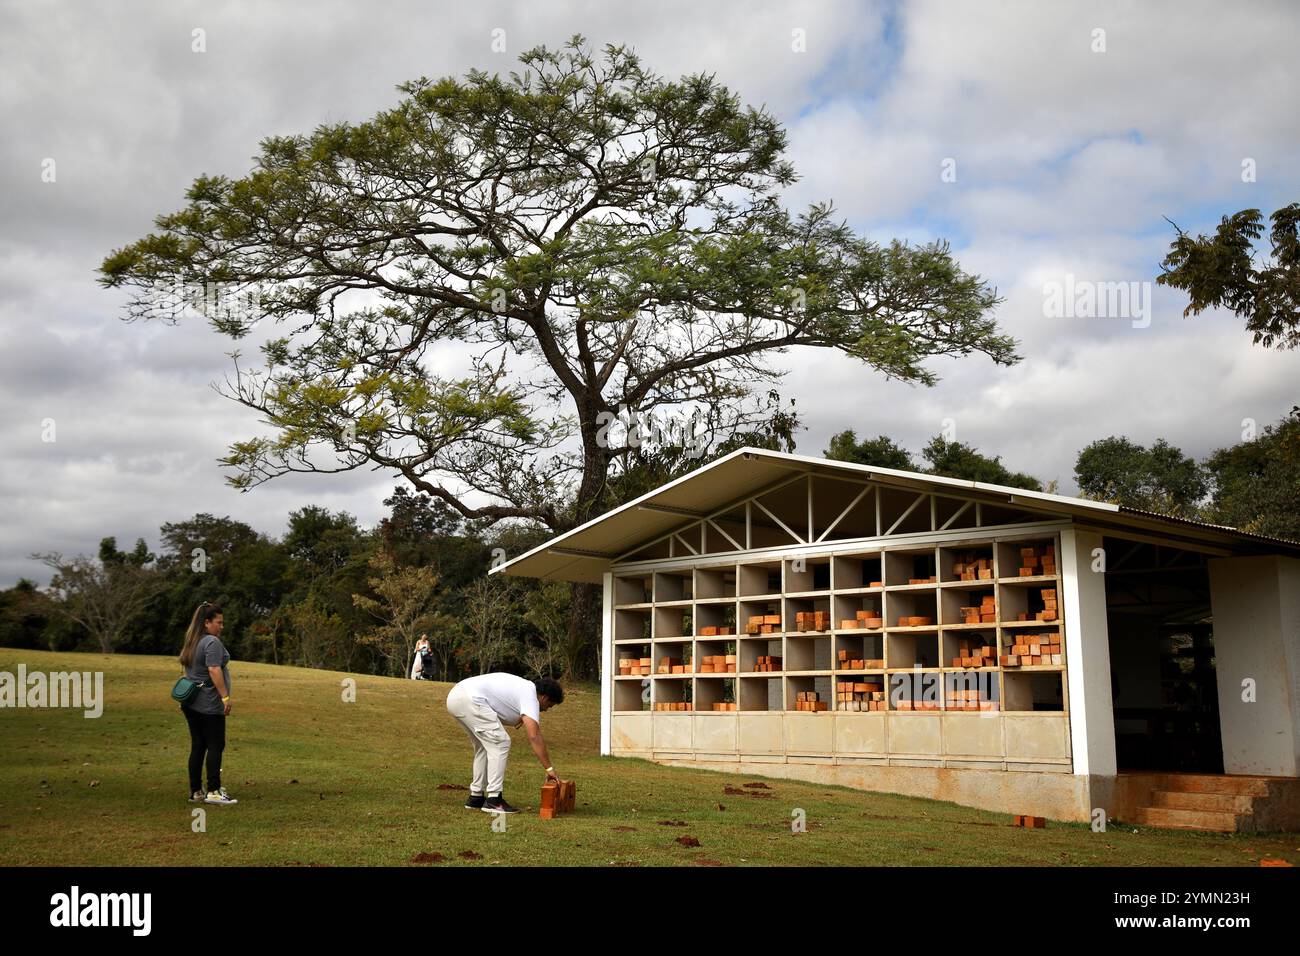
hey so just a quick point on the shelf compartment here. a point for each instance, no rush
(1031, 648)
(710, 655)
(633, 660)
(631, 695)
(904, 607)
(1030, 557)
(970, 649)
(809, 693)
(1024, 602)
(807, 574)
(760, 655)
(760, 693)
(916, 691)
(715, 583)
(857, 652)
(638, 589)
(1034, 691)
(673, 622)
(715, 620)
(750, 611)
(857, 612)
(807, 652)
(630, 625)
(910, 566)
(970, 564)
(673, 586)
(808, 614)
(754, 580)
(850, 573)
(955, 603)
(712, 691)
(973, 692)
(673, 695)
(912, 650)
(861, 694)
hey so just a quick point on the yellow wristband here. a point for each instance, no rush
(225, 700)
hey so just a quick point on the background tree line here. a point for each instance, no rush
(329, 594)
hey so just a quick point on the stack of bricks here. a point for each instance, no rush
(930, 580)
(808, 700)
(1049, 611)
(986, 613)
(957, 698)
(864, 619)
(632, 666)
(1031, 650)
(557, 798)
(915, 621)
(763, 624)
(667, 665)
(715, 631)
(1040, 559)
(968, 656)
(860, 695)
(718, 664)
(728, 706)
(767, 663)
(673, 705)
(812, 620)
(969, 566)
(914, 704)
(849, 663)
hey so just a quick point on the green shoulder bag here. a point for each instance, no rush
(185, 690)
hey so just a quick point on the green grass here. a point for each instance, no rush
(320, 781)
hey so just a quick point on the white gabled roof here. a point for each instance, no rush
(586, 552)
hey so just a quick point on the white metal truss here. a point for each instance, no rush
(697, 525)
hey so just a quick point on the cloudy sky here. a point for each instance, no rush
(1039, 146)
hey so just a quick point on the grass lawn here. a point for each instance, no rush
(381, 781)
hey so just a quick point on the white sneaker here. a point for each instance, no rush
(197, 796)
(219, 796)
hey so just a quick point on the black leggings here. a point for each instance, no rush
(207, 733)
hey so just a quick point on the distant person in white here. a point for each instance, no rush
(485, 705)
(417, 665)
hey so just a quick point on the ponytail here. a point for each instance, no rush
(202, 614)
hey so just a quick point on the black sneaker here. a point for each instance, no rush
(475, 801)
(497, 805)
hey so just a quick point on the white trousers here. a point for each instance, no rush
(491, 742)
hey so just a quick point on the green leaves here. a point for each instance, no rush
(1219, 271)
(580, 235)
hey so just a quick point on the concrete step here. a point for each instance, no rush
(1213, 783)
(1220, 802)
(1208, 820)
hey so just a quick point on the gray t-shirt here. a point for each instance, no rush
(209, 653)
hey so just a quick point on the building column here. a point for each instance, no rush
(1256, 607)
(1087, 653)
(606, 656)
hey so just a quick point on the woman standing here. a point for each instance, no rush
(204, 658)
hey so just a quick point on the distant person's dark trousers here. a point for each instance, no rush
(207, 735)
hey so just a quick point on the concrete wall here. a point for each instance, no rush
(1057, 796)
(1256, 603)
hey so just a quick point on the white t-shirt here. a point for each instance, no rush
(508, 695)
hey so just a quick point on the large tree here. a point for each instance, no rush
(587, 237)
